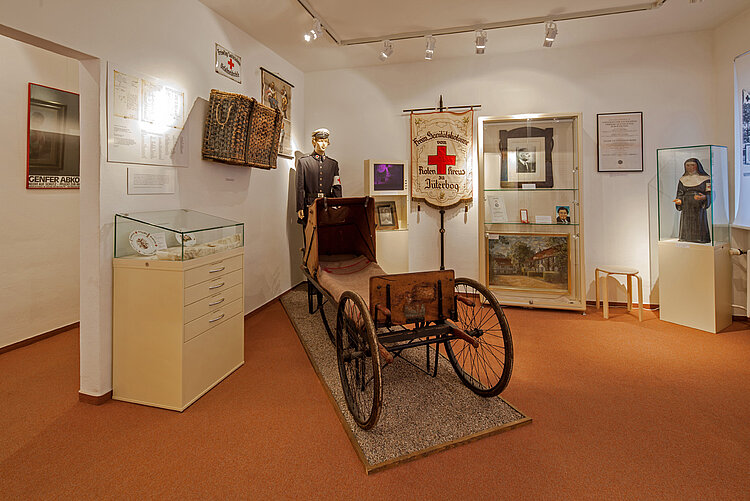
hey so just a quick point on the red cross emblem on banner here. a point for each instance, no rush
(441, 160)
(231, 64)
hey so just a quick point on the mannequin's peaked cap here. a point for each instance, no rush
(321, 133)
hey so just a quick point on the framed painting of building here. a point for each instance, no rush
(538, 262)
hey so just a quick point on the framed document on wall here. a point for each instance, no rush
(619, 142)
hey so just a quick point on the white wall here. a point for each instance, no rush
(730, 40)
(172, 40)
(668, 78)
(39, 228)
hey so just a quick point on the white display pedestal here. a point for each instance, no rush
(392, 245)
(695, 285)
(393, 250)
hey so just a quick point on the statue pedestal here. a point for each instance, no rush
(695, 285)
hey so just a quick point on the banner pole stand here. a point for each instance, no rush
(442, 216)
(442, 239)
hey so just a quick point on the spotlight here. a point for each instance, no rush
(481, 41)
(550, 35)
(387, 50)
(315, 32)
(429, 50)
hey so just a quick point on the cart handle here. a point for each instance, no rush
(382, 309)
(465, 300)
(385, 354)
(461, 334)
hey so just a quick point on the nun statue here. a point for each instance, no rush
(693, 198)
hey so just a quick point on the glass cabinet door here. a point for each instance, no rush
(531, 221)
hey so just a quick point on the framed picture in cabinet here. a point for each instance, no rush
(524, 215)
(537, 262)
(526, 157)
(386, 215)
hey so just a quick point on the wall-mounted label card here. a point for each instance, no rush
(150, 180)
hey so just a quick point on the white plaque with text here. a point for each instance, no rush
(150, 180)
(620, 142)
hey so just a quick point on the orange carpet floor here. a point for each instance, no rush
(621, 410)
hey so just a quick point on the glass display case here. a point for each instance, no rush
(693, 194)
(531, 222)
(695, 269)
(174, 235)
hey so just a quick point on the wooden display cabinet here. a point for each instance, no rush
(529, 176)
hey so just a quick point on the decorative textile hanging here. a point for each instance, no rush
(241, 131)
(441, 146)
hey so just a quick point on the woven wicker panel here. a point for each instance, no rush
(263, 136)
(226, 128)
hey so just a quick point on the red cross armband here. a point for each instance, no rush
(336, 180)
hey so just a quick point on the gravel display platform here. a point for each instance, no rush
(420, 414)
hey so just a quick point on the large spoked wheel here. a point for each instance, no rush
(358, 360)
(486, 369)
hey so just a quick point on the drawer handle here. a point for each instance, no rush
(216, 319)
(216, 302)
(217, 270)
(216, 286)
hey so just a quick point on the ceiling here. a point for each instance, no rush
(280, 24)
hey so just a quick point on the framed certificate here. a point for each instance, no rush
(619, 142)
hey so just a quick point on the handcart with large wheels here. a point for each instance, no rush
(380, 315)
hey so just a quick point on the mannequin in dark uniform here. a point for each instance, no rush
(317, 175)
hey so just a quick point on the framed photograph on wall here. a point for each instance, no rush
(619, 142)
(526, 157)
(277, 93)
(386, 216)
(529, 261)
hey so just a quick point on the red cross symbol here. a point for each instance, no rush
(441, 160)
(231, 64)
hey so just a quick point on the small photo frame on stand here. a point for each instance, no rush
(525, 216)
(386, 215)
(562, 214)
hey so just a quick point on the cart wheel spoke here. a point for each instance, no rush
(358, 360)
(487, 368)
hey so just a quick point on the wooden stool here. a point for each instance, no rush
(608, 270)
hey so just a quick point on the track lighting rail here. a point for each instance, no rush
(489, 26)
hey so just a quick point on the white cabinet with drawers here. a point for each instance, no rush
(178, 327)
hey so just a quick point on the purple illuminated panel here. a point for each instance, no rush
(388, 177)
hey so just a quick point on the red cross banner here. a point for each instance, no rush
(441, 146)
